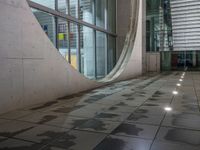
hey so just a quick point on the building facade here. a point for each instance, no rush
(173, 31)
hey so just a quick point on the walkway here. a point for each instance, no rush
(148, 113)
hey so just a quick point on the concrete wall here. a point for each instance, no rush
(123, 23)
(33, 71)
(153, 62)
(135, 64)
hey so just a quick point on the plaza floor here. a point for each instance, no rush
(157, 112)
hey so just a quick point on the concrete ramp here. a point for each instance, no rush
(33, 71)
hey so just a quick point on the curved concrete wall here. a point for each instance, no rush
(33, 71)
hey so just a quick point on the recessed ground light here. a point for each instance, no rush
(168, 109)
(175, 92)
(182, 77)
(178, 84)
(180, 80)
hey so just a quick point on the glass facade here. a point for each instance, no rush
(158, 26)
(186, 24)
(63, 38)
(63, 6)
(87, 52)
(179, 60)
(87, 11)
(172, 28)
(47, 23)
(84, 32)
(101, 55)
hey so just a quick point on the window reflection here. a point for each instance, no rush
(87, 52)
(47, 23)
(87, 10)
(87, 49)
(63, 38)
(74, 45)
(101, 54)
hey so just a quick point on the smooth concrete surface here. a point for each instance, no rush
(33, 71)
(131, 63)
(123, 23)
(138, 114)
(153, 62)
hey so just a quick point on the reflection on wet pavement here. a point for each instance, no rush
(139, 114)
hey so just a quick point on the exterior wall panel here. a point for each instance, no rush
(186, 24)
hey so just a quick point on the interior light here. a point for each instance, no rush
(178, 84)
(180, 80)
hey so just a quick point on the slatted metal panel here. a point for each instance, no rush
(186, 24)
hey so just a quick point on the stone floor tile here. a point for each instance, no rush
(145, 118)
(123, 143)
(67, 121)
(136, 130)
(183, 120)
(13, 128)
(41, 117)
(172, 146)
(98, 125)
(76, 140)
(42, 134)
(179, 136)
(15, 144)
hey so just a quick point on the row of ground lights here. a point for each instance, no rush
(176, 92)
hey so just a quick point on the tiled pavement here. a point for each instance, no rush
(129, 115)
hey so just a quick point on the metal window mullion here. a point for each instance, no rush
(115, 52)
(106, 41)
(79, 36)
(95, 41)
(56, 26)
(95, 53)
(56, 32)
(106, 55)
(68, 7)
(67, 17)
(69, 43)
(56, 5)
(94, 8)
(79, 48)
(78, 9)
(116, 31)
(106, 15)
(68, 25)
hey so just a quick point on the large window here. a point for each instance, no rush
(63, 38)
(158, 26)
(87, 10)
(87, 44)
(47, 3)
(63, 6)
(74, 44)
(101, 54)
(101, 9)
(47, 23)
(84, 32)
